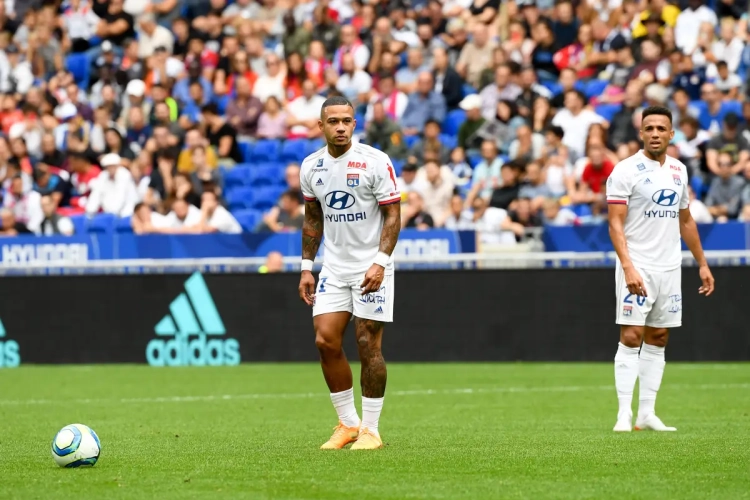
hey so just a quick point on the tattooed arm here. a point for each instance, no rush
(312, 235)
(388, 239)
(312, 229)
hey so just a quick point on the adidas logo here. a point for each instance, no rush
(648, 181)
(379, 310)
(9, 351)
(192, 314)
(320, 182)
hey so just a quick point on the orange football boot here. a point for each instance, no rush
(367, 440)
(342, 435)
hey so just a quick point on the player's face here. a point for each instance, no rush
(656, 132)
(338, 125)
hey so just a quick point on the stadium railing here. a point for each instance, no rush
(515, 260)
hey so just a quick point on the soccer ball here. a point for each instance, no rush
(76, 445)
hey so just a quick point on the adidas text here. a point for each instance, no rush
(191, 330)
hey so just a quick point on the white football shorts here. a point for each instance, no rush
(662, 308)
(335, 295)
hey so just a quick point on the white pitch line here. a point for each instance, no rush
(307, 395)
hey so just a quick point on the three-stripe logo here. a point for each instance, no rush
(193, 322)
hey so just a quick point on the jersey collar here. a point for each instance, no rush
(653, 162)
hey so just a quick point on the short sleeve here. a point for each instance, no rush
(384, 185)
(304, 184)
(619, 187)
(685, 195)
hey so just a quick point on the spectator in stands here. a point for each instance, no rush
(459, 167)
(592, 188)
(527, 146)
(151, 35)
(17, 77)
(724, 197)
(113, 191)
(384, 133)
(475, 56)
(728, 84)
(423, 105)
(468, 137)
(138, 130)
(215, 218)
(730, 141)
(221, 135)
(53, 224)
(272, 122)
(274, 263)
(291, 178)
(486, 176)
(575, 120)
(698, 210)
(621, 129)
(447, 81)
(689, 22)
(406, 77)
(204, 178)
(49, 184)
(555, 215)
(303, 113)
(505, 194)
(534, 188)
(114, 144)
(503, 89)
(285, 217)
(394, 101)
(182, 218)
(437, 191)
(712, 115)
(353, 83)
(413, 214)
(271, 82)
(493, 225)
(430, 143)
(456, 217)
(145, 221)
(408, 181)
(25, 205)
(10, 226)
(244, 110)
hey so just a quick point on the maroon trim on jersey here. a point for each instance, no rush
(309, 199)
(617, 202)
(390, 202)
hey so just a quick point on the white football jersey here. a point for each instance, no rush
(654, 194)
(351, 189)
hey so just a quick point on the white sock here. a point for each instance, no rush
(371, 408)
(651, 371)
(344, 403)
(626, 373)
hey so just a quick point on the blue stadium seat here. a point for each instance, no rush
(266, 150)
(699, 187)
(468, 90)
(581, 209)
(360, 117)
(101, 223)
(222, 102)
(78, 64)
(237, 176)
(553, 87)
(453, 121)
(411, 140)
(607, 111)
(122, 225)
(293, 150)
(248, 218)
(239, 198)
(398, 165)
(314, 145)
(474, 160)
(265, 198)
(450, 141)
(264, 174)
(595, 88)
(246, 150)
(79, 223)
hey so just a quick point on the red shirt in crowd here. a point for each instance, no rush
(597, 177)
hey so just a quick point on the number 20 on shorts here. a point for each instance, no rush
(640, 300)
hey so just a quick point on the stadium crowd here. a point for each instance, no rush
(191, 116)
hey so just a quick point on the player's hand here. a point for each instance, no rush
(307, 288)
(634, 282)
(373, 279)
(707, 288)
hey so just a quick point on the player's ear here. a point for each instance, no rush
(320, 125)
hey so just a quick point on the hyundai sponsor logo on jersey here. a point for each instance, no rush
(664, 198)
(341, 200)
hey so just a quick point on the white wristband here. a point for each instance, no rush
(382, 259)
(307, 265)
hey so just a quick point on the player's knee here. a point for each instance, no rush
(631, 335)
(657, 337)
(327, 343)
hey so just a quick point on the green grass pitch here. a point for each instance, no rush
(453, 431)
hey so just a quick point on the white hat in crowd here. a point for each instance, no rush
(136, 88)
(111, 160)
(471, 101)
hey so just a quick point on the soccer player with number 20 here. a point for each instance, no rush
(350, 195)
(648, 213)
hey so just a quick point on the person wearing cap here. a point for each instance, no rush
(467, 132)
(114, 190)
(728, 141)
(658, 12)
(17, 78)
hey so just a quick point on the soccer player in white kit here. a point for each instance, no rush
(350, 195)
(648, 201)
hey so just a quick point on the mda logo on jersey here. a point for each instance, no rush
(10, 357)
(189, 331)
